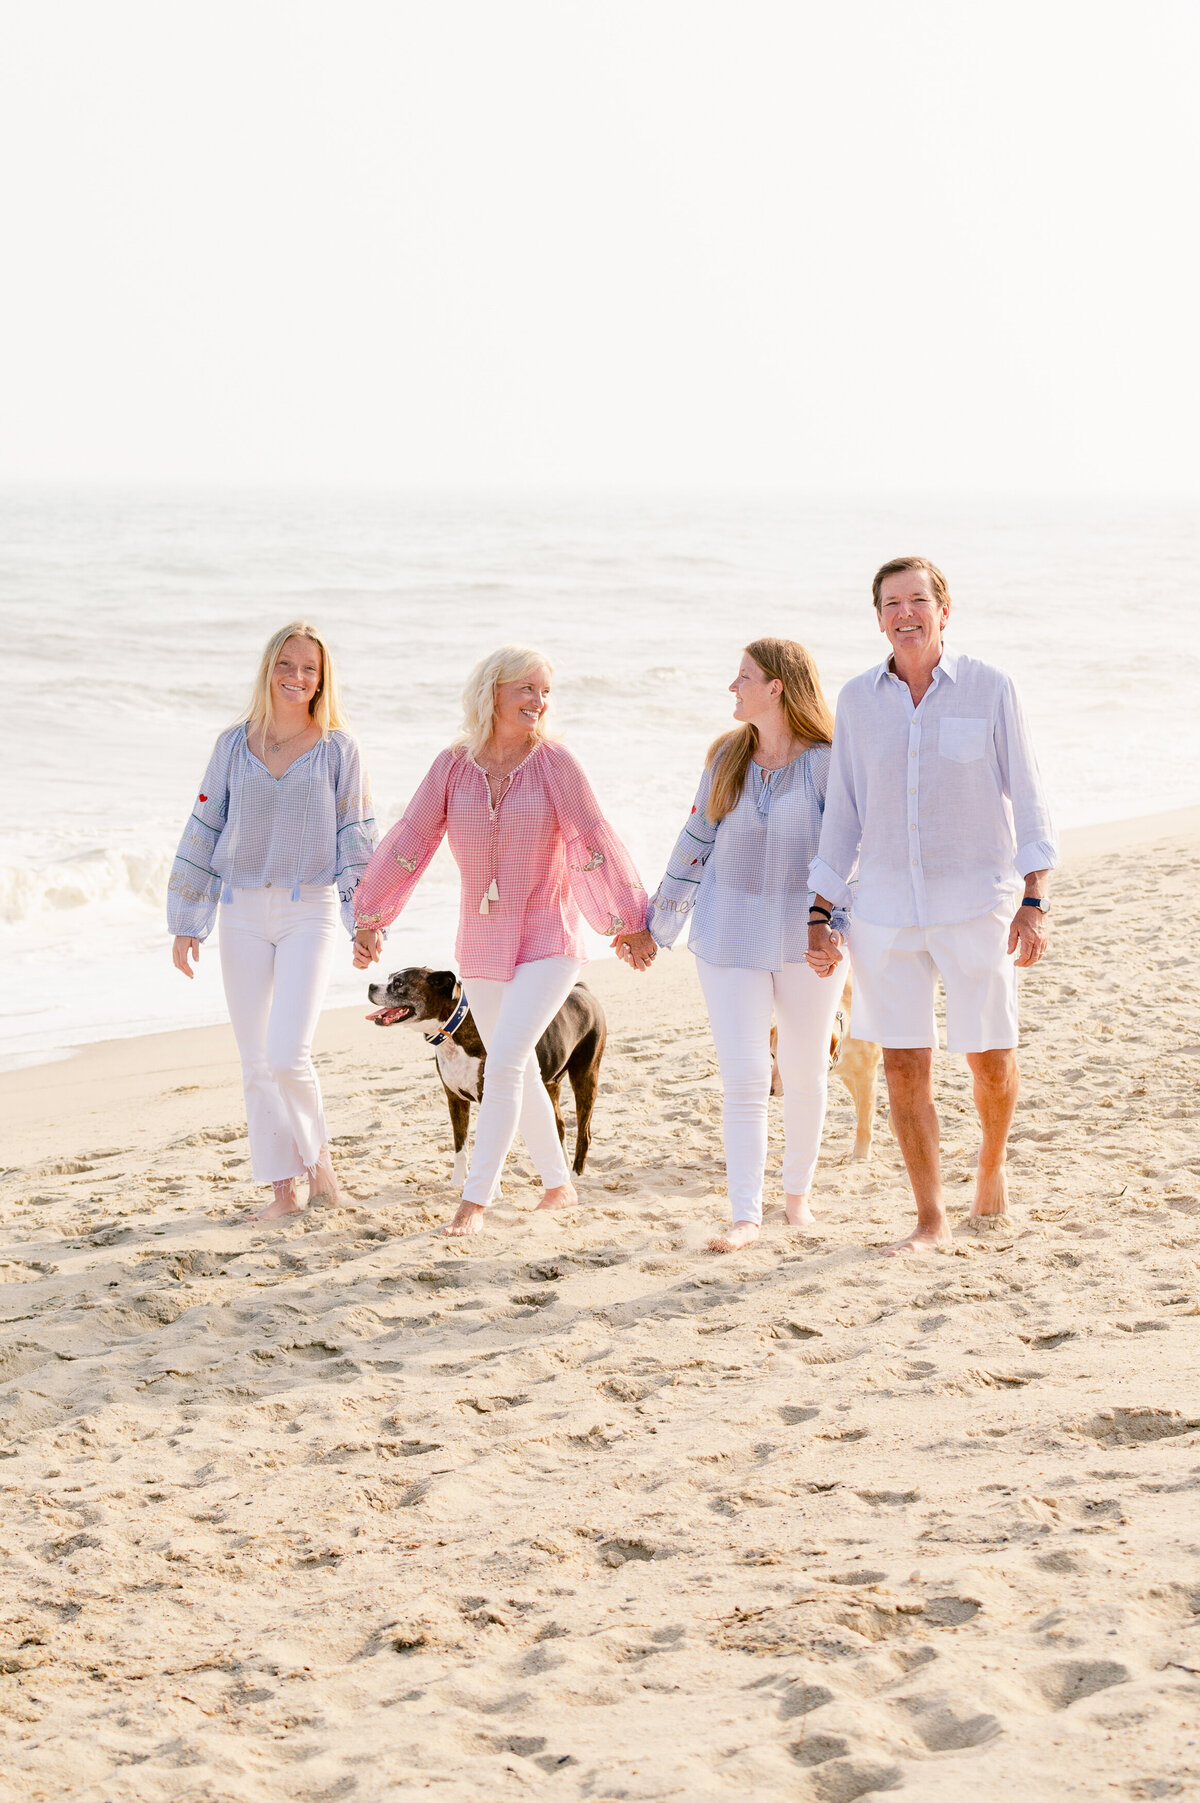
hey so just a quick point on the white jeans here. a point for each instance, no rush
(739, 1005)
(511, 1018)
(275, 958)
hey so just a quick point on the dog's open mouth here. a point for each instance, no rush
(390, 1017)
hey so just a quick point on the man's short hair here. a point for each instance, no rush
(896, 566)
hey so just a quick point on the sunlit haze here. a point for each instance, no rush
(884, 248)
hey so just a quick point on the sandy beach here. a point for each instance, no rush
(339, 1509)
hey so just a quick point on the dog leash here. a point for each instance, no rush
(462, 1008)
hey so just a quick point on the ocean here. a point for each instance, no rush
(134, 623)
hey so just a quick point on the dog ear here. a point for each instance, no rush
(442, 982)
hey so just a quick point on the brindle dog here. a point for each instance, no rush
(572, 1047)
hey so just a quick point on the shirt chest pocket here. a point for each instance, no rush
(962, 740)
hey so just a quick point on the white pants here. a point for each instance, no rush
(895, 976)
(740, 1003)
(275, 958)
(511, 1018)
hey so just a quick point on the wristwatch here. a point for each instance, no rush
(1037, 901)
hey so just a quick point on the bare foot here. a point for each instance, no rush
(561, 1197)
(921, 1239)
(798, 1213)
(742, 1233)
(467, 1221)
(322, 1184)
(282, 1203)
(991, 1193)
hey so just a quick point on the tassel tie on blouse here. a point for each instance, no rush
(762, 800)
(493, 894)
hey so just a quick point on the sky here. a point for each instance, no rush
(932, 247)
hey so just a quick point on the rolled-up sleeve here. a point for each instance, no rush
(831, 872)
(1022, 783)
(402, 856)
(676, 895)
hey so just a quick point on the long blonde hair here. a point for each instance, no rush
(509, 664)
(325, 708)
(804, 707)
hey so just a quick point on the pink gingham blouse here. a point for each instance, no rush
(529, 866)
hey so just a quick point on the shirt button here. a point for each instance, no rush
(914, 863)
(912, 791)
(912, 754)
(266, 885)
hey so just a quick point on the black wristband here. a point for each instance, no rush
(825, 914)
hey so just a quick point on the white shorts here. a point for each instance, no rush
(895, 975)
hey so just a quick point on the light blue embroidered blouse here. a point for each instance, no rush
(251, 830)
(745, 881)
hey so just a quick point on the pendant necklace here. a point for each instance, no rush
(280, 743)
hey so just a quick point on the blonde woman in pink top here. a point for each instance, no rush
(535, 854)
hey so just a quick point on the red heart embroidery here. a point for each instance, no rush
(204, 798)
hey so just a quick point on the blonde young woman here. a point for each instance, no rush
(280, 830)
(740, 869)
(534, 852)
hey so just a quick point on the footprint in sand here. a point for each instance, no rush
(815, 1749)
(845, 1780)
(1073, 1679)
(942, 1730)
(802, 1699)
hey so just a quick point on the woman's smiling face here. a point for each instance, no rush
(758, 695)
(297, 673)
(521, 704)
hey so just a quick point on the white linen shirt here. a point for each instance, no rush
(938, 808)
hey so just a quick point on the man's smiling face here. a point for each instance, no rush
(911, 616)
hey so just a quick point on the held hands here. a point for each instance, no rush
(183, 948)
(824, 949)
(637, 949)
(368, 944)
(1028, 932)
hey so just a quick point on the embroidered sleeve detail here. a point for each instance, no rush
(356, 832)
(663, 906)
(187, 889)
(603, 876)
(404, 852)
(358, 805)
(678, 891)
(193, 886)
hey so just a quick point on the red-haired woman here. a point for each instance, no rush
(740, 871)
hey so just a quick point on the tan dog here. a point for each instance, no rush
(856, 1062)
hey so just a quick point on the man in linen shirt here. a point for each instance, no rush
(935, 801)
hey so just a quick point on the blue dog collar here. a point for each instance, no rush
(461, 1009)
